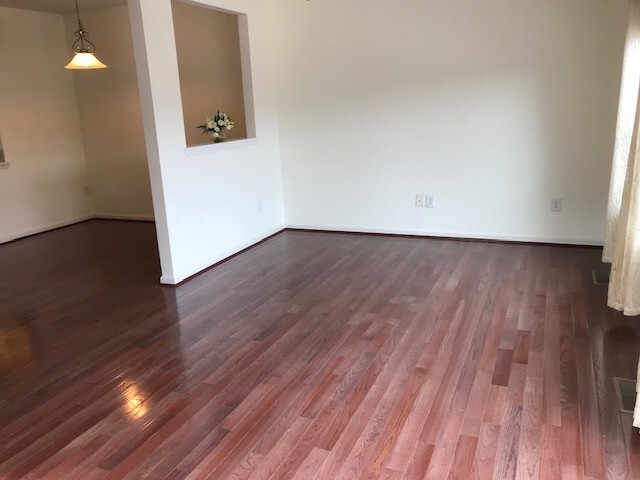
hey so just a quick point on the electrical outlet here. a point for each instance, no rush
(259, 206)
(429, 201)
(419, 200)
(556, 204)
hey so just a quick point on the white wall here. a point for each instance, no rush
(40, 127)
(492, 107)
(112, 129)
(207, 205)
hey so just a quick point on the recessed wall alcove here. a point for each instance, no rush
(215, 71)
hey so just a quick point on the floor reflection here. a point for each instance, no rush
(135, 398)
(75, 334)
(16, 350)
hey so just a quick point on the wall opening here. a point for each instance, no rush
(214, 70)
(111, 117)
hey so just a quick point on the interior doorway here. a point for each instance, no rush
(73, 140)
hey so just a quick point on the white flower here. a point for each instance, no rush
(216, 135)
(210, 123)
(216, 128)
(221, 122)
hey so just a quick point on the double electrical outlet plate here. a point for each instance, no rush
(424, 200)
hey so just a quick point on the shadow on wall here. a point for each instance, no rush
(2, 159)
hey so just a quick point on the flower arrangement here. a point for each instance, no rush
(216, 127)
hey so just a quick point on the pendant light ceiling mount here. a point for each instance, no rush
(84, 49)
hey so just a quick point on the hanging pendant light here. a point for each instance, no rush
(84, 58)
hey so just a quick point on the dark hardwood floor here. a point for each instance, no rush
(313, 355)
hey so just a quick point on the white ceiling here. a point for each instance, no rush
(60, 6)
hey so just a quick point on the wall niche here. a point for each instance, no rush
(214, 68)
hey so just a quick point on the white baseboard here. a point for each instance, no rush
(52, 226)
(176, 279)
(461, 235)
(116, 216)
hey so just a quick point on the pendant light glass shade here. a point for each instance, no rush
(85, 61)
(85, 58)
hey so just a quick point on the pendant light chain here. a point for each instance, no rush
(78, 15)
(81, 33)
(79, 46)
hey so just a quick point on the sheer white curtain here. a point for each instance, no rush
(622, 244)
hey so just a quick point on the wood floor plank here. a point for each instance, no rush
(485, 454)
(463, 460)
(529, 449)
(507, 452)
(551, 459)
